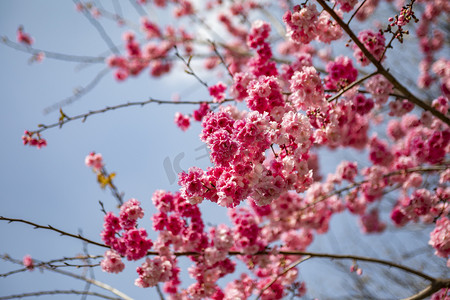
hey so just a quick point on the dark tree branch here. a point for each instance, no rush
(49, 227)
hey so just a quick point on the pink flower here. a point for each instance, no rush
(94, 160)
(182, 121)
(301, 23)
(23, 37)
(218, 91)
(258, 34)
(30, 139)
(340, 73)
(371, 224)
(112, 263)
(152, 271)
(28, 262)
(374, 42)
(440, 237)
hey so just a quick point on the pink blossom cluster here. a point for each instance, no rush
(442, 69)
(264, 94)
(373, 42)
(28, 262)
(440, 237)
(261, 64)
(217, 91)
(181, 229)
(370, 222)
(399, 107)
(95, 161)
(307, 89)
(202, 111)
(380, 88)
(121, 233)
(152, 55)
(152, 271)
(362, 105)
(302, 23)
(112, 262)
(182, 121)
(23, 37)
(33, 139)
(347, 5)
(237, 148)
(340, 73)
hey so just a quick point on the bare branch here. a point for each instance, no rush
(189, 71)
(100, 30)
(53, 55)
(58, 292)
(80, 92)
(49, 227)
(128, 104)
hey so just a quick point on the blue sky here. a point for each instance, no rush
(53, 186)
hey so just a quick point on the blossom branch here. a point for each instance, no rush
(89, 280)
(49, 227)
(407, 94)
(442, 167)
(435, 286)
(50, 263)
(58, 292)
(351, 85)
(108, 108)
(324, 255)
(290, 267)
(234, 253)
(53, 55)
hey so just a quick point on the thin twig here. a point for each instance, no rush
(189, 71)
(356, 11)
(113, 187)
(53, 55)
(49, 227)
(213, 44)
(158, 289)
(73, 275)
(79, 92)
(94, 282)
(58, 292)
(100, 30)
(290, 267)
(128, 104)
(351, 85)
(48, 264)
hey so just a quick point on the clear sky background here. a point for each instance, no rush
(53, 186)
